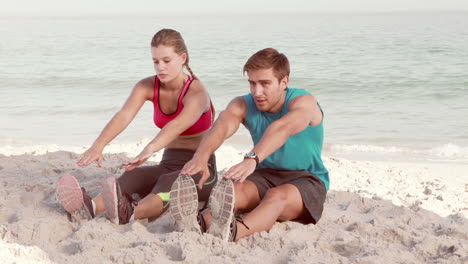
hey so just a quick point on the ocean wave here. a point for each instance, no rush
(229, 153)
(132, 149)
(446, 152)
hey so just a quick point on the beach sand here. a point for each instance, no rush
(376, 212)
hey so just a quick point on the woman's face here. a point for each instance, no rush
(167, 63)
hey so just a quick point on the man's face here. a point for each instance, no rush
(267, 90)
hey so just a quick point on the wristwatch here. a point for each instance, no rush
(252, 155)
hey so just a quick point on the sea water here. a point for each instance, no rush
(390, 85)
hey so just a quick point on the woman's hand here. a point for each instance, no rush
(91, 155)
(195, 166)
(140, 159)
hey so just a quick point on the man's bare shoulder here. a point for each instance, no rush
(238, 102)
(306, 105)
(237, 107)
(303, 101)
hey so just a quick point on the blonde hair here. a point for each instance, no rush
(172, 38)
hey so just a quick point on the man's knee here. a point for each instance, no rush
(276, 195)
(285, 202)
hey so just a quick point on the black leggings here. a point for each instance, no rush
(158, 179)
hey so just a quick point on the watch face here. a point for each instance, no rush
(250, 154)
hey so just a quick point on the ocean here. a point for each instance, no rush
(392, 86)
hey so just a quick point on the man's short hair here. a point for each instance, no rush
(266, 59)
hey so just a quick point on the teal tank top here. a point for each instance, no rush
(300, 152)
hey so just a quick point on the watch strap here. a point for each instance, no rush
(255, 157)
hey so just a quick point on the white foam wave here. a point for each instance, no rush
(132, 149)
(450, 151)
(227, 154)
(446, 152)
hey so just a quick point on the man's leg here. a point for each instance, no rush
(247, 198)
(280, 203)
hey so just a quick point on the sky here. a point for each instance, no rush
(64, 7)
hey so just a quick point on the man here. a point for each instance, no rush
(282, 177)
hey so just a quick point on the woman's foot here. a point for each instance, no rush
(119, 206)
(73, 198)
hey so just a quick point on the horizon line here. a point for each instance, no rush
(218, 13)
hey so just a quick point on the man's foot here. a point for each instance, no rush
(221, 204)
(73, 198)
(184, 203)
(119, 206)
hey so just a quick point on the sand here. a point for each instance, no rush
(376, 212)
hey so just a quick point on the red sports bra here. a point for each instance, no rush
(161, 119)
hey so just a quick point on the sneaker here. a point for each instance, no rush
(119, 206)
(221, 204)
(183, 204)
(73, 198)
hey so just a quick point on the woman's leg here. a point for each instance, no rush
(139, 181)
(150, 206)
(156, 192)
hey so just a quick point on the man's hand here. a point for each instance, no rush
(195, 166)
(241, 171)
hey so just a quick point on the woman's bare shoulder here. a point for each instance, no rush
(147, 82)
(145, 87)
(197, 87)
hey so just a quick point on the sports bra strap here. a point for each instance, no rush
(184, 91)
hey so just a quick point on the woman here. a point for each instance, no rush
(183, 111)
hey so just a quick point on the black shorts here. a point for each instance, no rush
(158, 179)
(312, 189)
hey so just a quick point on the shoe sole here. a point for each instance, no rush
(183, 203)
(69, 193)
(221, 204)
(109, 195)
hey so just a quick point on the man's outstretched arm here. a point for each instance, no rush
(225, 126)
(303, 110)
